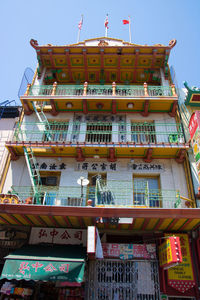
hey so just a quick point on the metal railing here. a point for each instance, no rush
(41, 90)
(130, 91)
(101, 90)
(102, 132)
(122, 194)
(52, 195)
(157, 91)
(114, 194)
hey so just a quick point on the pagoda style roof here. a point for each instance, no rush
(193, 95)
(103, 60)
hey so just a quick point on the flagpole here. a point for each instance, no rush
(78, 38)
(79, 28)
(129, 29)
(106, 33)
(106, 26)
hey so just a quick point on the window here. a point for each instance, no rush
(143, 132)
(56, 131)
(146, 192)
(51, 181)
(99, 132)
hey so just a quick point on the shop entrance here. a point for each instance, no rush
(119, 280)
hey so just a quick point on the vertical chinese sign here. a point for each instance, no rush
(170, 252)
(181, 277)
(194, 129)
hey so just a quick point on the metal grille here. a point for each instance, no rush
(143, 133)
(99, 132)
(123, 280)
(57, 131)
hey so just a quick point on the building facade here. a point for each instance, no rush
(100, 158)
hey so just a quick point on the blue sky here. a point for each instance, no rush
(56, 22)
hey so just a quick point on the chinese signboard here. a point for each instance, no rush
(43, 270)
(97, 167)
(170, 252)
(58, 236)
(129, 251)
(181, 277)
(194, 129)
(146, 167)
(52, 166)
(99, 118)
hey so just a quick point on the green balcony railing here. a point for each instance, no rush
(51, 195)
(113, 194)
(123, 194)
(101, 90)
(157, 91)
(101, 132)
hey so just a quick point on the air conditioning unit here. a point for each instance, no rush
(51, 180)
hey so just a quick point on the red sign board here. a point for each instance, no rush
(181, 277)
(193, 124)
(129, 251)
(170, 252)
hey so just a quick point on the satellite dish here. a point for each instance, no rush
(83, 181)
(26, 79)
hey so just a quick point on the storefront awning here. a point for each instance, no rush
(46, 263)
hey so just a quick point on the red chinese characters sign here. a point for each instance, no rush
(58, 236)
(181, 277)
(194, 129)
(129, 251)
(170, 252)
(193, 124)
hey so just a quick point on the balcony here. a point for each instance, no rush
(113, 98)
(115, 194)
(100, 90)
(106, 139)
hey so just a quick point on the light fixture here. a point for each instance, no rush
(130, 105)
(82, 182)
(142, 75)
(99, 105)
(69, 105)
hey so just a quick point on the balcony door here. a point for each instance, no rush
(143, 132)
(91, 188)
(146, 192)
(99, 132)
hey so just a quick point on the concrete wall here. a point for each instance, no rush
(6, 133)
(171, 176)
(34, 131)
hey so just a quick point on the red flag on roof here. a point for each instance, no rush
(125, 22)
(80, 23)
(106, 22)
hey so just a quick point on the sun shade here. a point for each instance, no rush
(46, 263)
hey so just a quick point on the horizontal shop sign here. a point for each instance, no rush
(58, 236)
(129, 251)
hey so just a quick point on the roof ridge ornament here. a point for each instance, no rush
(172, 43)
(102, 43)
(34, 43)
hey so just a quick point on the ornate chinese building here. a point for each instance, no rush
(100, 181)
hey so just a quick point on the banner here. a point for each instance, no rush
(181, 277)
(170, 253)
(194, 129)
(129, 251)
